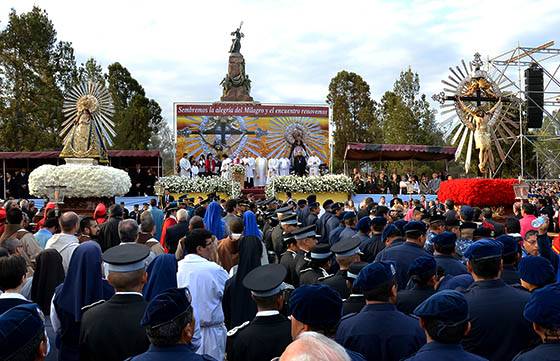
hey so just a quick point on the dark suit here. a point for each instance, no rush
(288, 260)
(338, 282)
(408, 300)
(353, 304)
(510, 275)
(262, 339)
(111, 330)
(174, 234)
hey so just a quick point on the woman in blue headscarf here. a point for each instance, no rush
(250, 227)
(213, 220)
(84, 285)
(162, 275)
(237, 303)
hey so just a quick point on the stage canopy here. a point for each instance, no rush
(395, 152)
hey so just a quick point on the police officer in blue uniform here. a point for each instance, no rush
(536, 272)
(444, 253)
(499, 331)
(445, 319)
(347, 252)
(511, 254)
(317, 308)
(334, 234)
(356, 300)
(288, 258)
(543, 310)
(349, 226)
(362, 228)
(268, 334)
(379, 331)
(322, 222)
(422, 273)
(333, 222)
(169, 324)
(404, 254)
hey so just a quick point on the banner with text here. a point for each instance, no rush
(257, 130)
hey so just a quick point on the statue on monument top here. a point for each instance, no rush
(236, 42)
(236, 84)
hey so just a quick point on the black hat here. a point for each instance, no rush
(288, 238)
(305, 232)
(347, 247)
(335, 207)
(126, 257)
(354, 270)
(301, 202)
(312, 198)
(327, 204)
(434, 218)
(282, 210)
(314, 205)
(267, 280)
(289, 219)
(320, 252)
(452, 222)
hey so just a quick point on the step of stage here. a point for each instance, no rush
(257, 192)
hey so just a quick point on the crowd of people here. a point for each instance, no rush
(381, 183)
(257, 171)
(246, 279)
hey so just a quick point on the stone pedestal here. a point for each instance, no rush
(236, 84)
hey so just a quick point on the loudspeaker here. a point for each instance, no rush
(534, 89)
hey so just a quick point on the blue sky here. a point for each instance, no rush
(178, 49)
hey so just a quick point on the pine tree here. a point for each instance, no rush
(354, 112)
(35, 71)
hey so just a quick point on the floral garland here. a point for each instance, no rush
(478, 192)
(315, 184)
(81, 181)
(177, 184)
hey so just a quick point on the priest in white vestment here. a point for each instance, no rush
(206, 281)
(313, 162)
(226, 165)
(185, 166)
(260, 172)
(284, 166)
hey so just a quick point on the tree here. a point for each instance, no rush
(35, 71)
(136, 117)
(91, 70)
(407, 117)
(354, 112)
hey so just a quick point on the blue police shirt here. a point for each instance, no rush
(498, 329)
(403, 255)
(444, 352)
(380, 332)
(544, 352)
(171, 353)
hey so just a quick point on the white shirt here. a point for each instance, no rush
(206, 281)
(267, 313)
(12, 295)
(65, 244)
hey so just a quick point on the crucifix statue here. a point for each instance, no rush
(476, 116)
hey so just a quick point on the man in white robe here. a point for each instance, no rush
(272, 169)
(313, 163)
(250, 172)
(284, 166)
(185, 166)
(260, 172)
(226, 164)
(206, 281)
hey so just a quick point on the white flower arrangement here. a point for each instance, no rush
(177, 184)
(237, 169)
(81, 181)
(315, 184)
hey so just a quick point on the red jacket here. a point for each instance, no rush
(169, 221)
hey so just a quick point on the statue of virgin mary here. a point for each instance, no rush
(88, 127)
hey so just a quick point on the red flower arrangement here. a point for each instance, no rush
(478, 192)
